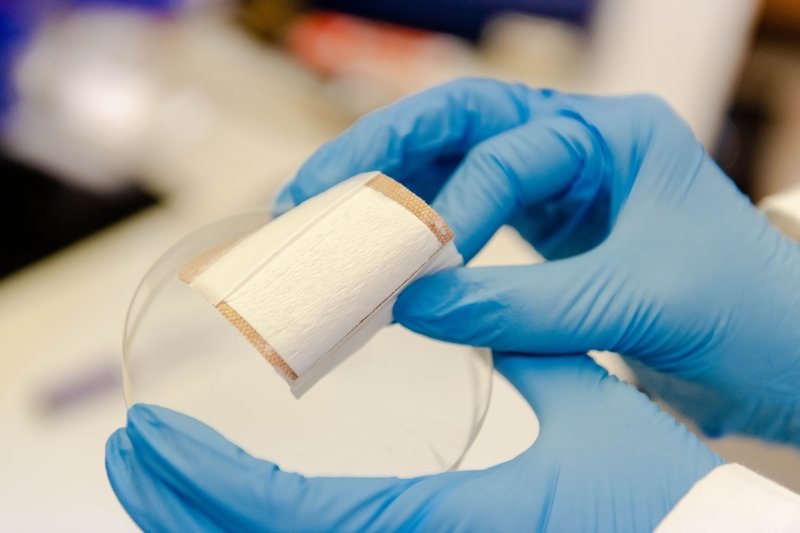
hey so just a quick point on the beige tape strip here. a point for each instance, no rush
(196, 266)
(414, 204)
(256, 340)
(199, 264)
(380, 183)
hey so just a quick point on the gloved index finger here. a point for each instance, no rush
(412, 132)
(516, 168)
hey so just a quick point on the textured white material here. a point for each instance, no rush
(733, 499)
(319, 281)
(446, 257)
(783, 210)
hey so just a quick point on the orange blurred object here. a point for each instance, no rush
(330, 42)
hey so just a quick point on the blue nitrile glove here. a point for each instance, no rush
(657, 255)
(607, 459)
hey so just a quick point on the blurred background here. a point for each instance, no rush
(125, 124)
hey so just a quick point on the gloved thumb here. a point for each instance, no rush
(566, 306)
(174, 473)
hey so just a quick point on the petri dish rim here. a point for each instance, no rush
(159, 275)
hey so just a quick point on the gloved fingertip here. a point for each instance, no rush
(118, 463)
(151, 503)
(515, 366)
(118, 445)
(452, 306)
(470, 233)
(173, 442)
(156, 429)
(283, 201)
(141, 414)
(427, 297)
(118, 456)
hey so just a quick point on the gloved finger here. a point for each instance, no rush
(407, 135)
(236, 491)
(519, 167)
(566, 306)
(425, 182)
(146, 499)
(282, 200)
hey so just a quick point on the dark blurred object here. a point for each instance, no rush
(80, 387)
(42, 215)
(737, 149)
(459, 17)
(781, 16)
(767, 92)
(268, 18)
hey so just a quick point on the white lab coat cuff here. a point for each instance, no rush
(734, 499)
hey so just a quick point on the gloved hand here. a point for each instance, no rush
(606, 459)
(657, 255)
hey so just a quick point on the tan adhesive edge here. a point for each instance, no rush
(414, 204)
(257, 341)
(380, 183)
(194, 267)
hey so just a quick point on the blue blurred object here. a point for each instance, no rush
(658, 256)
(606, 459)
(155, 6)
(17, 20)
(460, 17)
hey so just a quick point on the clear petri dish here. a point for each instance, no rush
(403, 405)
